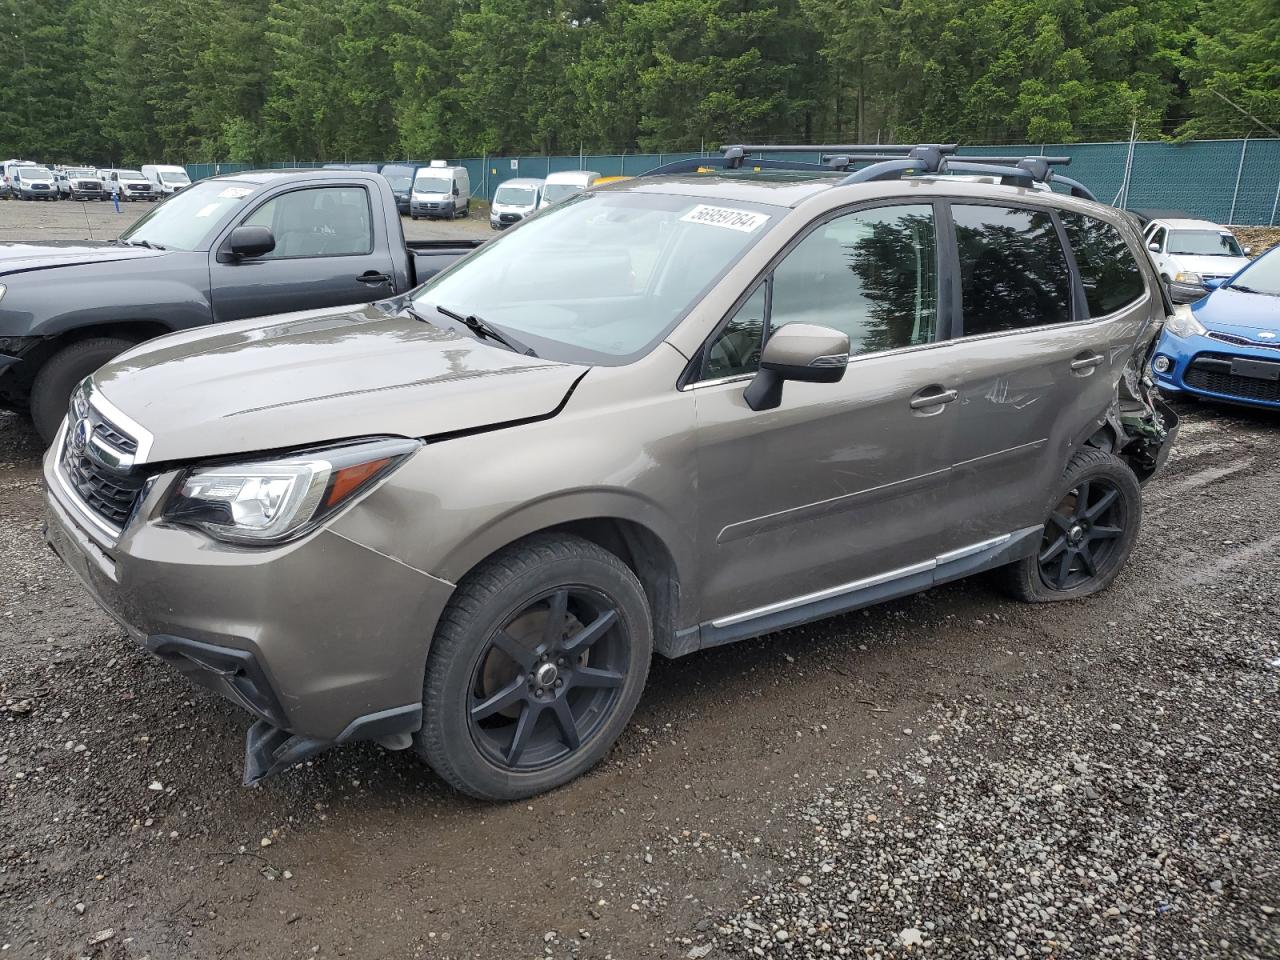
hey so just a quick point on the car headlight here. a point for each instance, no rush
(1184, 324)
(1188, 276)
(273, 501)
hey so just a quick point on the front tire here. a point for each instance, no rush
(537, 664)
(52, 386)
(1093, 523)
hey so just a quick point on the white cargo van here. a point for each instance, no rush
(168, 179)
(440, 191)
(567, 183)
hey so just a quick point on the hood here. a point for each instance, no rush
(41, 254)
(308, 378)
(1209, 266)
(1240, 313)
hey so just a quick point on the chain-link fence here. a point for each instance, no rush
(1227, 181)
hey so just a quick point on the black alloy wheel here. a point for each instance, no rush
(548, 679)
(536, 665)
(1081, 534)
(1093, 523)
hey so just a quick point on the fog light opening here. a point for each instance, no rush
(1162, 364)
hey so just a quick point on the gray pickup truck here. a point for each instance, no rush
(227, 248)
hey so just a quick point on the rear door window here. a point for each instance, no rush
(1111, 277)
(1013, 270)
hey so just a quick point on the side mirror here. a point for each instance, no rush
(1213, 283)
(250, 241)
(804, 352)
(1248, 251)
(456, 192)
(1153, 247)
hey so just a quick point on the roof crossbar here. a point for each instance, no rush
(887, 162)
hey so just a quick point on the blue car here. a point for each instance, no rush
(1227, 346)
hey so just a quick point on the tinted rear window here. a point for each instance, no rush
(1013, 272)
(1108, 271)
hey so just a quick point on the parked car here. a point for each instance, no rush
(166, 179)
(34, 183)
(1226, 346)
(567, 183)
(462, 519)
(80, 183)
(224, 249)
(1187, 253)
(440, 191)
(513, 201)
(129, 185)
(400, 176)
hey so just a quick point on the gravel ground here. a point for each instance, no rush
(89, 219)
(953, 775)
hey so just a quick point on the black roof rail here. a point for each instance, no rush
(887, 162)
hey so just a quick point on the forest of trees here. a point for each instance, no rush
(197, 80)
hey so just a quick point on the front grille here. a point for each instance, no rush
(109, 493)
(508, 217)
(1212, 372)
(88, 186)
(138, 186)
(1242, 341)
(39, 186)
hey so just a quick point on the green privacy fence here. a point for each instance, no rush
(1227, 181)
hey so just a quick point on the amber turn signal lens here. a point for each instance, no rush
(349, 479)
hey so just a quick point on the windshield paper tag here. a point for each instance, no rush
(744, 221)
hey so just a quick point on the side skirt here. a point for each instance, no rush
(953, 565)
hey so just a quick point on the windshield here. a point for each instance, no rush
(1204, 243)
(603, 276)
(515, 196)
(130, 175)
(399, 177)
(34, 173)
(555, 192)
(174, 176)
(1261, 276)
(185, 221)
(433, 185)
(81, 172)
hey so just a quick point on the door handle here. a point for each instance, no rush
(373, 277)
(1086, 363)
(922, 401)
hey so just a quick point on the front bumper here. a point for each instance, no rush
(322, 640)
(1204, 366)
(433, 208)
(37, 194)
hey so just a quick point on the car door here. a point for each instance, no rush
(326, 255)
(841, 482)
(1038, 364)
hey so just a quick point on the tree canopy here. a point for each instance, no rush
(195, 80)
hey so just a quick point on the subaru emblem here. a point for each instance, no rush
(80, 436)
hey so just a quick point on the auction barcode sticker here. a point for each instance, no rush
(743, 220)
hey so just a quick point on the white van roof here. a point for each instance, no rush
(577, 177)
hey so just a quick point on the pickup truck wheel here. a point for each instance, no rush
(52, 386)
(537, 664)
(1089, 534)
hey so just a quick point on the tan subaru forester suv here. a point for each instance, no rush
(664, 415)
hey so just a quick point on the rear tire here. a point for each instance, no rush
(52, 386)
(1093, 523)
(537, 664)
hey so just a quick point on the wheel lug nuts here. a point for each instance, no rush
(559, 683)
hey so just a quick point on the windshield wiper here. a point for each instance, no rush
(142, 243)
(484, 329)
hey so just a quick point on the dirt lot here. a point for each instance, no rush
(983, 778)
(65, 220)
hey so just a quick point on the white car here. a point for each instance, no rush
(1189, 252)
